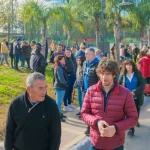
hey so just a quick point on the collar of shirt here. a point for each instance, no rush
(130, 77)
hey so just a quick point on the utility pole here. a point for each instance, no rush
(12, 18)
(102, 14)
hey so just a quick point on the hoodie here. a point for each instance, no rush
(89, 72)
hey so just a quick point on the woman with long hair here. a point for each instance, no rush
(132, 79)
(53, 47)
(79, 82)
(60, 84)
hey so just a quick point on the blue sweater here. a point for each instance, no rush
(131, 85)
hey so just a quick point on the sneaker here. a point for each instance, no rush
(87, 132)
(63, 120)
(79, 117)
(72, 106)
(138, 125)
(67, 108)
(130, 133)
(63, 116)
(78, 114)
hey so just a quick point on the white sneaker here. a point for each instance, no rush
(71, 106)
(67, 108)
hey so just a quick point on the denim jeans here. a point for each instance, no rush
(79, 96)
(69, 90)
(16, 58)
(59, 98)
(4, 56)
(22, 60)
(93, 148)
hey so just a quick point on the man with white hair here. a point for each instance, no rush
(33, 121)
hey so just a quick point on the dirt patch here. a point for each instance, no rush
(3, 114)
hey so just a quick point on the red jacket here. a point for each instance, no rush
(148, 69)
(120, 111)
(143, 66)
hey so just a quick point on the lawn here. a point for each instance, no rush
(13, 83)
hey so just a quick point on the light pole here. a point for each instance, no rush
(12, 18)
(102, 14)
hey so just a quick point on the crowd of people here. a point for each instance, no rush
(109, 97)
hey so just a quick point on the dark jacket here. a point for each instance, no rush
(71, 65)
(17, 49)
(39, 63)
(90, 76)
(81, 54)
(54, 55)
(30, 127)
(11, 49)
(26, 51)
(140, 87)
(120, 111)
(61, 78)
(126, 52)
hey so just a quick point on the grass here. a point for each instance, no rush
(12, 83)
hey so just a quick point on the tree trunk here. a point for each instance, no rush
(44, 28)
(148, 35)
(117, 39)
(69, 37)
(141, 38)
(97, 30)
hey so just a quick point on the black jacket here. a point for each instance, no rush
(140, 87)
(71, 65)
(26, 51)
(61, 78)
(30, 127)
(39, 63)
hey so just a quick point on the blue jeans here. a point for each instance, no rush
(59, 98)
(93, 148)
(79, 96)
(22, 60)
(69, 90)
(16, 58)
(4, 56)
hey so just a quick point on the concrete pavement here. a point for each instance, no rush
(141, 139)
(73, 137)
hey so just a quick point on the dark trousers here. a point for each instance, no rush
(135, 58)
(138, 110)
(16, 58)
(28, 62)
(93, 148)
(12, 60)
(69, 90)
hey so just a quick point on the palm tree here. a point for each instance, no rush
(69, 17)
(91, 9)
(38, 11)
(139, 15)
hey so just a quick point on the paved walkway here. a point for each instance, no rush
(141, 139)
(73, 137)
(72, 131)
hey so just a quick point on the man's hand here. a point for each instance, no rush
(109, 131)
(102, 127)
